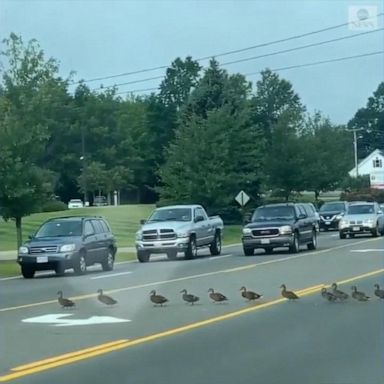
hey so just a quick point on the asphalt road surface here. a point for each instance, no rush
(271, 341)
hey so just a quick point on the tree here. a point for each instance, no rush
(26, 92)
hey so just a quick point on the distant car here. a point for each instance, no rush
(362, 218)
(68, 242)
(331, 213)
(100, 201)
(75, 203)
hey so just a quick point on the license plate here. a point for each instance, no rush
(327, 223)
(265, 241)
(42, 259)
(356, 229)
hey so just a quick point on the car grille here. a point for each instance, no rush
(263, 232)
(47, 249)
(327, 218)
(353, 222)
(162, 234)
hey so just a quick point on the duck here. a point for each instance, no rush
(359, 296)
(339, 294)
(107, 300)
(379, 292)
(157, 299)
(65, 303)
(328, 295)
(288, 294)
(216, 296)
(249, 295)
(189, 298)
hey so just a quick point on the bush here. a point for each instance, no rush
(54, 206)
(367, 194)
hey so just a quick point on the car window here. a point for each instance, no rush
(60, 228)
(98, 227)
(274, 213)
(104, 226)
(361, 209)
(88, 228)
(332, 207)
(308, 210)
(302, 210)
(171, 214)
(200, 212)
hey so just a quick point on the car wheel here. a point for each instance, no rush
(191, 251)
(27, 272)
(268, 251)
(342, 235)
(248, 251)
(375, 231)
(172, 255)
(294, 248)
(313, 244)
(215, 247)
(109, 261)
(60, 269)
(142, 256)
(80, 265)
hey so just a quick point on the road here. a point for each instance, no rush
(272, 341)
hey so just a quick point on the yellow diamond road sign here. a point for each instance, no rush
(242, 198)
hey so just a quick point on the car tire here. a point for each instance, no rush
(191, 251)
(143, 256)
(376, 232)
(342, 235)
(109, 261)
(172, 255)
(60, 269)
(80, 264)
(295, 247)
(268, 251)
(313, 244)
(248, 251)
(215, 247)
(27, 272)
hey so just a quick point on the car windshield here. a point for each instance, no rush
(361, 209)
(273, 213)
(60, 229)
(174, 214)
(332, 207)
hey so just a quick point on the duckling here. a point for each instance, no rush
(65, 303)
(157, 299)
(359, 296)
(107, 300)
(249, 295)
(188, 297)
(339, 294)
(379, 292)
(288, 294)
(216, 296)
(328, 295)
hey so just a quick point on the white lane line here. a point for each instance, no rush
(214, 258)
(367, 250)
(110, 275)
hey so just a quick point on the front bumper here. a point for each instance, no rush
(357, 229)
(162, 246)
(268, 242)
(329, 224)
(49, 261)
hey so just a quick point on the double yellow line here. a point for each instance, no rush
(72, 357)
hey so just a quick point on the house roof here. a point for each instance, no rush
(373, 154)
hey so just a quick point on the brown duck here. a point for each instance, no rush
(288, 294)
(217, 297)
(379, 292)
(249, 295)
(189, 298)
(107, 300)
(157, 299)
(65, 303)
(328, 295)
(339, 294)
(359, 296)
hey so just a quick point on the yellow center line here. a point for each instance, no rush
(156, 283)
(69, 358)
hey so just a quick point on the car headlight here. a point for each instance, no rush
(343, 222)
(247, 231)
(67, 248)
(285, 230)
(23, 250)
(368, 222)
(139, 235)
(338, 217)
(182, 234)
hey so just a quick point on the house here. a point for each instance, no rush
(372, 165)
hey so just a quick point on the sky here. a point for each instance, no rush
(102, 38)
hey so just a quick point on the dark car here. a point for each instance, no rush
(331, 213)
(280, 225)
(68, 243)
(100, 201)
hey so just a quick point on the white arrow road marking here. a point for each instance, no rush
(57, 321)
(110, 275)
(367, 250)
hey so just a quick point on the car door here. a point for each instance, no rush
(90, 242)
(100, 239)
(304, 224)
(207, 230)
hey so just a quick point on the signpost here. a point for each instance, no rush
(242, 198)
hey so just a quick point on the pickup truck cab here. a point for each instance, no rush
(178, 228)
(280, 225)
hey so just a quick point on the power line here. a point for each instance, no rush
(277, 69)
(225, 53)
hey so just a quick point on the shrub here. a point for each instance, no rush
(54, 206)
(367, 194)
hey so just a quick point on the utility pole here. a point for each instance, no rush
(83, 159)
(355, 150)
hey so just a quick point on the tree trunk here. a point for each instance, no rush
(109, 198)
(19, 235)
(317, 193)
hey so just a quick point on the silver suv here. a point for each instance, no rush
(362, 218)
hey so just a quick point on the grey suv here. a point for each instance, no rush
(68, 242)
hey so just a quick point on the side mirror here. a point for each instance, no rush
(380, 212)
(31, 236)
(143, 221)
(301, 216)
(199, 218)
